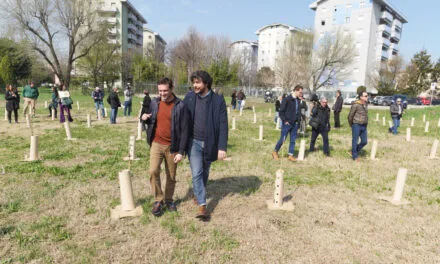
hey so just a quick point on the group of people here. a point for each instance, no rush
(291, 115)
(238, 100)
(197, 126)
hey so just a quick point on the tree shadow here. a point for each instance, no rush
(219, 188)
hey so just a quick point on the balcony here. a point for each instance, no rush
(132, 36)
(132, 17)
(394, 49)
(387, 16)
(108, 9)
(112, 20)
(385, 29)
(132, 27)
(384, 42)
(395, 36)
(384, 55)
(112, 32)
(397, 25)
(140, 41)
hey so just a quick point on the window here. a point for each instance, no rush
(347, 20)
(323, 23)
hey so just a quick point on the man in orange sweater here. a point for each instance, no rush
(167, 134)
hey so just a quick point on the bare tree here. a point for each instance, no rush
(246, 59)
(189, 50)
(384, 75)
(50, 24)
(329, 61)
(293, 63)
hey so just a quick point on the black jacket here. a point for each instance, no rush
(216, 123)
(287, 111)
(113, 100)
(337, 107)
(145, 105)
(179, 125)
(277, 105)
(323, 114)
(12, 103)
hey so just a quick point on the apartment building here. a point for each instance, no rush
(154, 45)
(245, 52)
(376, 27)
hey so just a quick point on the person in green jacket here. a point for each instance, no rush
(30, 94)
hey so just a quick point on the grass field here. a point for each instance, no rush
(57, 210)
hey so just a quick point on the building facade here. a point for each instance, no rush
(376, 27)
(154, 45)
(246, 54)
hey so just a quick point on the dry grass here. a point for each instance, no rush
(58, 210)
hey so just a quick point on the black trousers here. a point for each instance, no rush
(337, 122)
(15, 115)
(324, 134)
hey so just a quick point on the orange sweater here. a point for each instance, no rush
(162, 134)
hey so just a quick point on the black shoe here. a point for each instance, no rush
(157, 209)
(171, 206)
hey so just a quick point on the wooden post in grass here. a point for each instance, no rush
(383, 121)
(427, 127)
(302, 150)
(88, 121)
(255, 118)
(278, 203)
(278, 124)
(424, 118)
(105, 111)
(6, 114)
(270, 112)
(99, 114)
(67, 128)
(77, 105)
(408, 134)
(131, 149)
(45, 104)
(412, 121)
(233, 123)
(139, 129)
(374, 150)
(53, 113)
(377, 117)
(241, 111)
(253, 109)
(260, 134)
(229, 110)
(398, 190)
(438, 124)
(434, 149)
(33, 151)
(28, 121)
(127, 207)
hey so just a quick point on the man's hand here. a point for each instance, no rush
(178, 158)
(221, 155)
(145, 116)
(286, 123)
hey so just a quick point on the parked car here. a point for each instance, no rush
(435, 102)
(412, 101)
(404, 99)
(350, 100)
(383, 100)
(423, 101)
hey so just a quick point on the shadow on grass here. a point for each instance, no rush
(220, 188)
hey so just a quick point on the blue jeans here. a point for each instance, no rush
(98, 105)
(396, 122)
(127, 107)
(277, 114)
(239, 104)
(199, 169)
(358, 131)
(324, 133)
(113, 115)
(286, 129)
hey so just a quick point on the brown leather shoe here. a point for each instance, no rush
(275, 155)
(203, 213)
(291, 158)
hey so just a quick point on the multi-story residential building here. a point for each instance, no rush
(154, 45)
(126, 30)
(272, 40)
(245, 53)
(376, 27)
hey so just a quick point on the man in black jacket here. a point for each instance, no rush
(114, 102)
(208, 136)
(167, 134)
(290, 114)
(322, 112)
(337, 108)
